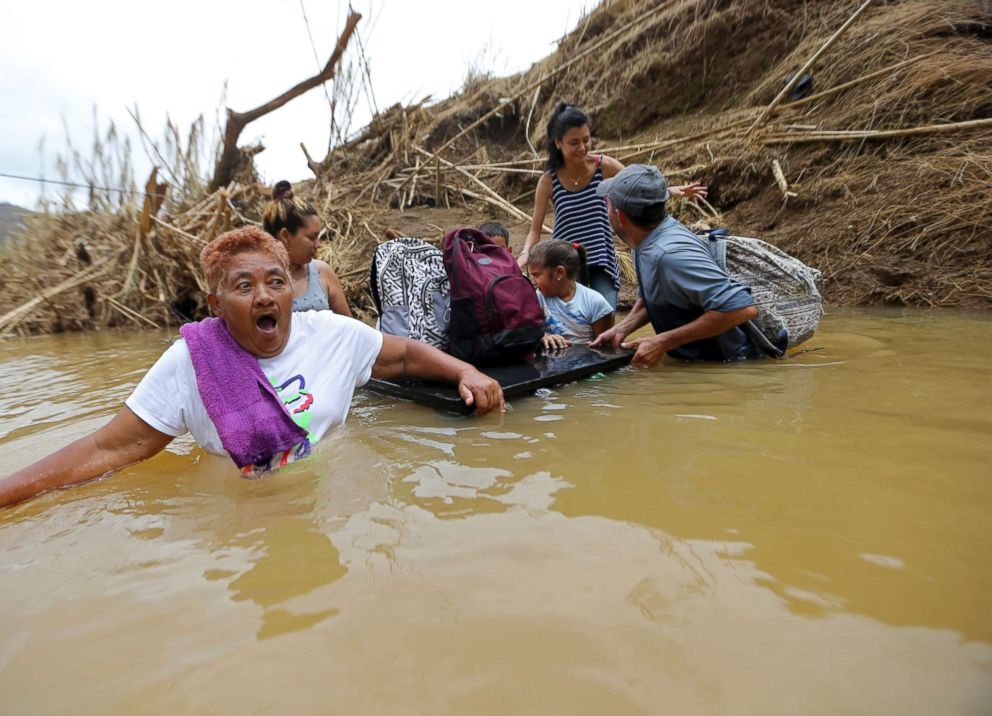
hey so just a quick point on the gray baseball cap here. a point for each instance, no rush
(635, 188)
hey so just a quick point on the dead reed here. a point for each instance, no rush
(882, 177)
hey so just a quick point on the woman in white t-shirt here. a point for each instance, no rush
(573, 312)
(314, 362)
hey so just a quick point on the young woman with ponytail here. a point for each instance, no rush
(569, 182)
(294, 223)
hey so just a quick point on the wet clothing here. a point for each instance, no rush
(581, 217)
(679, 281)
(249, 415)
(315, 297)
(326, 357)
(573, 319)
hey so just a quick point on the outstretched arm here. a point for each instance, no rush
(695, 190)
(403, 357)
(650, 350)
(125, 440)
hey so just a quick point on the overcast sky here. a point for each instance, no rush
(59, 59)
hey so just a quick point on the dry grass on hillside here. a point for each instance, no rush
(889, 219)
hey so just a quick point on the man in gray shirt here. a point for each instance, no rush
(695, 307)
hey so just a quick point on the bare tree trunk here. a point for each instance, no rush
(227, 165)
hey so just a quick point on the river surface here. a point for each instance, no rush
(808, 536)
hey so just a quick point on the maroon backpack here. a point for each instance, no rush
(495, 316)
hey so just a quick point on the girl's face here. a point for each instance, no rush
(550, 281)
(575, 144)
(302, 245)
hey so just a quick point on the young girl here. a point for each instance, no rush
(295, 223)
(573, 313)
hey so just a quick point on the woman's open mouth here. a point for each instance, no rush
(266, 323)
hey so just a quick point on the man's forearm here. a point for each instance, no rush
(636, 318)
(708, 325)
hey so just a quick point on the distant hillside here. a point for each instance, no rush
(11, 217)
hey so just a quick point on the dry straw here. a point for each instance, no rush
(882, 177)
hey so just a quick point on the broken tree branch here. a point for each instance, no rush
(846, 135)
(314, 166)
(490, 196)
(853, 83)
(783, 185)
(9, 320)
(227, 164)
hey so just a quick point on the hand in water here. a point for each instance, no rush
(610, 338)
(650, 350)
(481, 391)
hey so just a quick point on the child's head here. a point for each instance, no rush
(497, 232)
(552, 262)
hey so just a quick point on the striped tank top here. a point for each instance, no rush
(581, 218)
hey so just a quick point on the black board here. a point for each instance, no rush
(549, 369)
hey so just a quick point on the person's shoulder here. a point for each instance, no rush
(177, 354)
(321, 321)
(610, 166)
(672, 235)
(335, 325)
(323, 268)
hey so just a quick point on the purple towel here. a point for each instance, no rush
(250, 418)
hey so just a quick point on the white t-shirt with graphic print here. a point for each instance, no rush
(326, 358)
(573, 319)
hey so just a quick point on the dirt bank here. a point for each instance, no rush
(885, 165)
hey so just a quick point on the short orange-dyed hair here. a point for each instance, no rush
(216, 256)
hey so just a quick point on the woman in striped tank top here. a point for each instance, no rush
(569, 182)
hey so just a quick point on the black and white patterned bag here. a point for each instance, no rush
(784, 289)
(410, 289)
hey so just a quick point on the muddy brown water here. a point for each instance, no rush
(808, 536)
